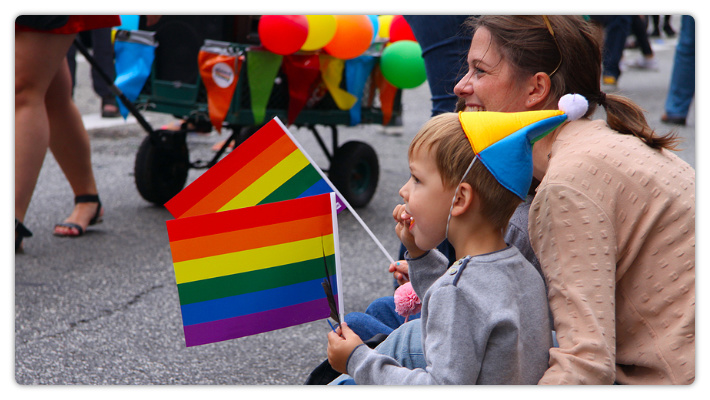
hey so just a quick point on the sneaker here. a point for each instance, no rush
(650, 64)
(609, 82)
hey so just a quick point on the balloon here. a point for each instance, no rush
(400, 30)
(402, 64)
(283, 34)
(353, 36)
(321, 29)
(375, 25)
(385, 23)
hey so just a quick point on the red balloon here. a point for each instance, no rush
(283, 34)
(400, 30)
(353, 36)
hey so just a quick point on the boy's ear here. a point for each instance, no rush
(466, 197)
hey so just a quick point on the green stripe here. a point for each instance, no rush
(293, 188)
(254, 281)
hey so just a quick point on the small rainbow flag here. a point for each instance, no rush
(269, 166)
(256, 269)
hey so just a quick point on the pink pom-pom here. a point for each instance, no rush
(406, 302)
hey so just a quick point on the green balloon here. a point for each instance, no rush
(402, 64)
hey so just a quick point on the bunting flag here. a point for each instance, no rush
(357, 71)
(387, 95)
(332, 74)
(134, 53)
(255, 269)
(269, 166)
(219, 69)
(302, 73)
(262, 68)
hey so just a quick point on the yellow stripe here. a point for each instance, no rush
(253, 259)
(270, 181)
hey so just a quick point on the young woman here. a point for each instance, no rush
(613, 220)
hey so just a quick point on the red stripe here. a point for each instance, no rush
(220, 172)
(249, 217)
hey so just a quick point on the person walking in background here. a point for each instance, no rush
(47, 118)
(647, 60)
(100, 41)
(682, 86)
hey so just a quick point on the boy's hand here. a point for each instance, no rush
(341, 344)
(404, 220)
(400, 271)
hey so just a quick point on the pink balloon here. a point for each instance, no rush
(283, 34)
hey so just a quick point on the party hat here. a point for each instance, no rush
(503, 141)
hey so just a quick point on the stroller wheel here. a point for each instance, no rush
(161, 168)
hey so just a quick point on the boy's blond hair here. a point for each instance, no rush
(453, 154)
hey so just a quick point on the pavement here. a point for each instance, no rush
(104, 310)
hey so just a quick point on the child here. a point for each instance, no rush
(484, 320)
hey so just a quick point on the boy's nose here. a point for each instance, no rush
(403, 192)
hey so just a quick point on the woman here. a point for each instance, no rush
(613, 220)
(46, 117)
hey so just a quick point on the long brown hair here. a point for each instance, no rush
(576, 49)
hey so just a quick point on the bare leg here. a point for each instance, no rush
(37, 60)
(70, 146)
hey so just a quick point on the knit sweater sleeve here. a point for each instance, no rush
(574, 240)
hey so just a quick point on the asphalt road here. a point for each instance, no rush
(103, 309)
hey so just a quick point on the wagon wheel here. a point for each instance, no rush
(161, 166)
(354, 170)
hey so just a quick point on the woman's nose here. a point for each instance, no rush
(463, 86)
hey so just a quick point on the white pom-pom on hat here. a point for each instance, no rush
(574, 105)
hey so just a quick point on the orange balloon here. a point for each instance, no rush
(353, 36)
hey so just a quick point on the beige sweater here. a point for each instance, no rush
(613, 224)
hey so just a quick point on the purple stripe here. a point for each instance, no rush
(232, 328)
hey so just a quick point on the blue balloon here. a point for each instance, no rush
(375, 24)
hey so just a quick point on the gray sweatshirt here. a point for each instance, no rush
(484, 321)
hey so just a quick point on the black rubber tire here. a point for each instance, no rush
(161, 171)
(355, 171)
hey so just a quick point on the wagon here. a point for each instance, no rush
(163, 160)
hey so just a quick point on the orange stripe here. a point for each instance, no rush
(242, 178)
(245, 239)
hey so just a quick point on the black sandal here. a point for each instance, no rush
(85, 198)
(21, 232)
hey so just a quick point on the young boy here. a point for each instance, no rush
(485, 320)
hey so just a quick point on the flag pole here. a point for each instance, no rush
(340, 196)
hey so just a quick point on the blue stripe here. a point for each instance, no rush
(249, 303)
(319, 187)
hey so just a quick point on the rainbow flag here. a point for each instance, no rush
(255, 269)
(269, 166)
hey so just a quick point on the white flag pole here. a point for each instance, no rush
(340, 196)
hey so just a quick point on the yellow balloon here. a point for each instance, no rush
(385, 22)
(321, 29)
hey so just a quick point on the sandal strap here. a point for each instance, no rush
(87, 198)
(71, 225)
(21, 230)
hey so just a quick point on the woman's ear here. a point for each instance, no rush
(539, 90)
(465, 198)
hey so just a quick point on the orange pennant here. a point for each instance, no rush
(387, 94)
(220, 73)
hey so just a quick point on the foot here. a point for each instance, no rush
(673, 120)
(79, 220)
(647, 63)
(109, 108)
